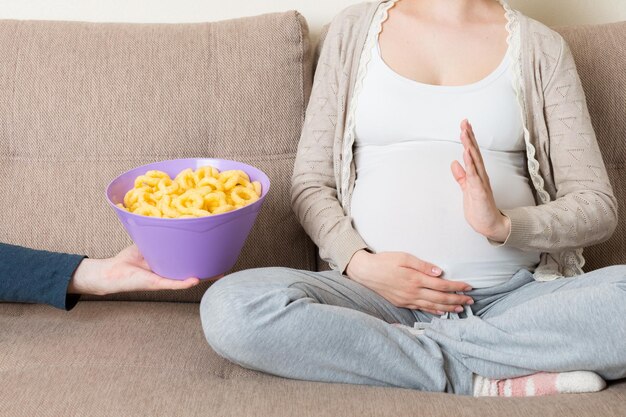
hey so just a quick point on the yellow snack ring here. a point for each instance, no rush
(202, 190)
(147, 210)
(232, 178)
(242, 195)
(257, 187)
(142, 202)
(197, 212)
(165, 205)
(167, 186)
(129, 196)
(231, 172)
(211, 182)
(223, 209)
(230, 181)
(186, 179)
(189, 199)
(205, 172)
(214, 199)
(144, 180)
(137, 196)
(198, 193)
(157, 174)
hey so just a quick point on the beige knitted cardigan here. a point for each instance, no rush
(575, 202)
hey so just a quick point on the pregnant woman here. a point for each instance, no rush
(449, 173)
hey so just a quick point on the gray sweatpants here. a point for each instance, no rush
(323, 326)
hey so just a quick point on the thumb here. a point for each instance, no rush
(458, 172)
(422, 266)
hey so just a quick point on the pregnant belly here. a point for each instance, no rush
(406, 199)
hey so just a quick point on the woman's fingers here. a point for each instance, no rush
(469, 142)
(472, 175)
(444, 285)
(416, 263)
(472, 136)
(433, 312)
(439, 308)
(444, 298)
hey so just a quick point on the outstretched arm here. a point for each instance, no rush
(36, 276)
(58, 279)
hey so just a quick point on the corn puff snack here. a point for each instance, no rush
(203, 192)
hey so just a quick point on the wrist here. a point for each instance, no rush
(501, 230)
(357, 263)
(81, 281)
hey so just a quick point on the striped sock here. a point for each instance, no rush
(540, 383)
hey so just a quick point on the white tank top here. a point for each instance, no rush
(405, 197)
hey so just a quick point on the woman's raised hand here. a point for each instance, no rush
(407, 282)
(479, 205)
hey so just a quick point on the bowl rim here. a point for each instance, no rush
(239, 210)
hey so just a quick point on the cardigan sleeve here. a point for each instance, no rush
(313, 190)
(584, 212)
(36, 276)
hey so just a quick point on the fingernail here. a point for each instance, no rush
(470, 302)
(468, 289)
(436, 270)
(458, 309)
(440, 312)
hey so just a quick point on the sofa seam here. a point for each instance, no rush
(286, 155)
(311, 251)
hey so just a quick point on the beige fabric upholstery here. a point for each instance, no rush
(600, 54)
(155, 362)
(83, 102)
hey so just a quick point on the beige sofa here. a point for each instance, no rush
(82, 102)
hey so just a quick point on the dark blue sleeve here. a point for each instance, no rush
(37, 276)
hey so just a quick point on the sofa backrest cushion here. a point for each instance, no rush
(81, 103)
(600, 55)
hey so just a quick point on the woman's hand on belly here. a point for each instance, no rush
(407, 281)
(479, 205)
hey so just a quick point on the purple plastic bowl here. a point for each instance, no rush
(200, 247)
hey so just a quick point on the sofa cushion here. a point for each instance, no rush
(82, 102)
(131, 359)
(600, 54)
